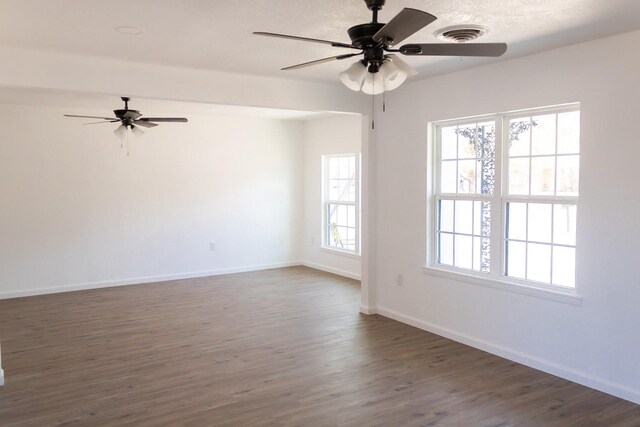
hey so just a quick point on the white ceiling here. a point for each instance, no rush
(216, 34)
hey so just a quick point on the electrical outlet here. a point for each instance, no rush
(400, 279)
(212, 246)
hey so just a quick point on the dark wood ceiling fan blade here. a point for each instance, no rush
(304, 39)
(163, 119)
(144, 124)
(455, 49)
(90, 117)
(321, 61)
(404, 24)
(104, 121)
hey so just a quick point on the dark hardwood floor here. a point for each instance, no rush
(277, 347)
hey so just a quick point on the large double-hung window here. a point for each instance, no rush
(505, 196)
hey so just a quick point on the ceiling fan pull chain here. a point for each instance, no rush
(384, 101)
(373, 112)
(127, 144)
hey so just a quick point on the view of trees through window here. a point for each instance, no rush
(533, 200)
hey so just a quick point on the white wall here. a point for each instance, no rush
(597, 343)
(75, 210)
(334, 135)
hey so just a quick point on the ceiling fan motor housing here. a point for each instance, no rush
(362, 35)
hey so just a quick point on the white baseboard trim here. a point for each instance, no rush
(328, 269)
(141, 280)
(364, 309)
(587, 380)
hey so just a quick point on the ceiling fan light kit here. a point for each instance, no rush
(136, 131)
(120, 131)
(353, 77)
(380, 70)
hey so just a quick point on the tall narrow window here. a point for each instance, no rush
(342, 203)
(505, 196)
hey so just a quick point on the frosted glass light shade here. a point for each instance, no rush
(373, 84)
(392, 76)
(398, 62)
(353, 76)
(120, 131)
(137, 131)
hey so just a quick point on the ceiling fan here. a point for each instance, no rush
(380, 69)
(130, 119)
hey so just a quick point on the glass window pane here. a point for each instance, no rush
(342, 190)
(343, 236)
(351, 239)
(351, 216)
(477, 253)
(334, 168)
(517, 221)
(564, 224)
(564, 266)
(540, 222)
(467, 142)
(446, 249)
(341, 217)
(519, 176)
(516, 259)
(448, 177)
(569, 133)
(449, 143)
(351, 193)
(543, 134)
(539, 262)
(463, 252)
(344, 167)
(446, 215)
(463, 217)
(542, 175)
(568, 173)
(466, 176)
(519, 136)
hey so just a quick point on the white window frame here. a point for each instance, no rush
(325, 233)
(499, 199)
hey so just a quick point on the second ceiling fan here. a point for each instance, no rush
(380, 68)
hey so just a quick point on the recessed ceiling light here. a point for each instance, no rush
(128, 30)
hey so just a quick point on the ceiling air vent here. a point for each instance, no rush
(460, 33)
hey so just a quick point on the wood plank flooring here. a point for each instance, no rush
(279, 347)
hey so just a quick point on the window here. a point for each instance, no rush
(341, 207)
(505, 196)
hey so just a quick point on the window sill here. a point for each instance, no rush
(339, 252)
(567, 297)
